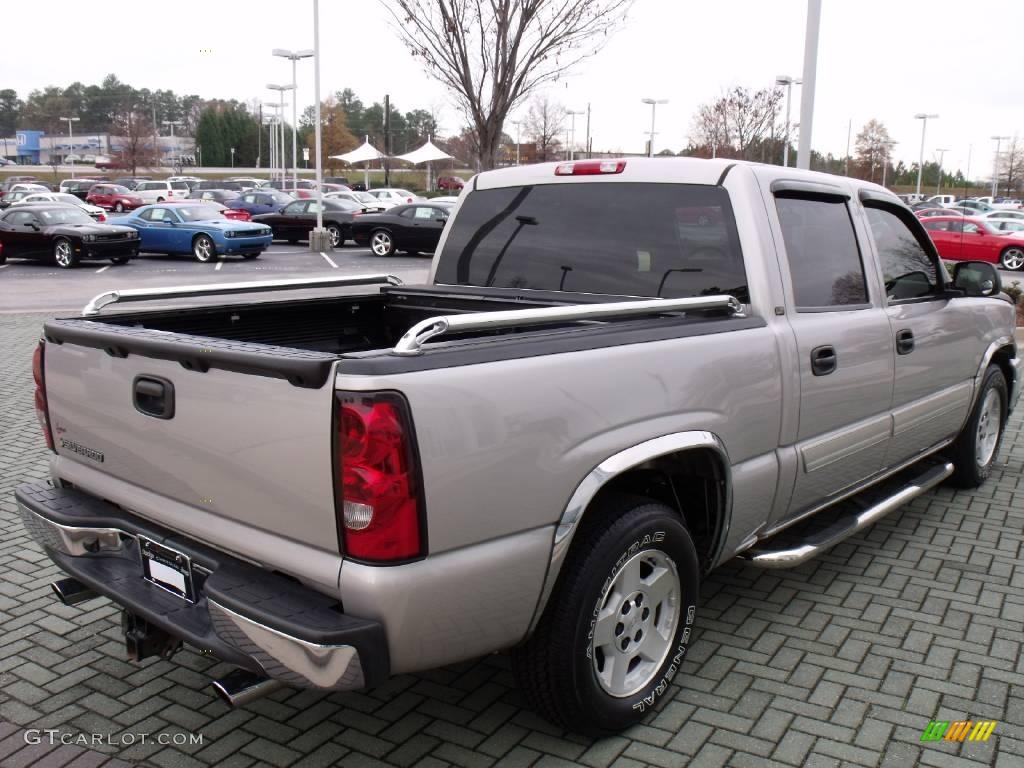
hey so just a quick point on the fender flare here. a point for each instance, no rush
(986, 360)
(612, 467)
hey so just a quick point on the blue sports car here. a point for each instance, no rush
(198, 229)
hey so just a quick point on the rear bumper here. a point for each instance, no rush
(244, 615)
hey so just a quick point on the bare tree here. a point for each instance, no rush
(873, 146)
(544, 124)
(738, 122)
(1011, 167)
(137, 144)
(492, 54)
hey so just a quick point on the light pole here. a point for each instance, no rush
(789, 81)
(924, 117)
(272, 137)
(232, 157)
(995, 165)
(885, 168)
(803, 152)
(71, 141)
(654, 104)
(518, 124)
(942, 156)
(319, 240)
(171, 124)
(572, 132)
(294, 56)
(280, 90)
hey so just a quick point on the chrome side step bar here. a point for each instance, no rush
(101, 300)
(765, 556)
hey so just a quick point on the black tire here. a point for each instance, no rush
(382, 243)
(203, 249)
(119, 207)
(159, 199)
(250, 256)
(557, 667)
(292, 240)
(971, 464)
(120, 259)
(1012, 258)
(64, 255)
(336, 234)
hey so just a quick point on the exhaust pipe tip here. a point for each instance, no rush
(241, 687)
(71, 591)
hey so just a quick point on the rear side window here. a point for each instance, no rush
(622, 238)
(179, 185)
(824, 259)
(909, 272)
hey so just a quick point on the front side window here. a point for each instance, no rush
(295, 207)
(821, 246)
(907, 269)
(612, 238)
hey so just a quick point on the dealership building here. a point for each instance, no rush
(36, 148)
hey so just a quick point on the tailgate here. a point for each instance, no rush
(254, 449)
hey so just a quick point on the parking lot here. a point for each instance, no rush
(842, 661)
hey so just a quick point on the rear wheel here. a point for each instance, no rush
(974, 451)
(335, 232)
(203, 249)
(64, 254)
(159, 199)
(381, 243)
(618, 622)
(119, 207)
(1012, 258)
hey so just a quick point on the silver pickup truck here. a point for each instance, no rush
(620, 375)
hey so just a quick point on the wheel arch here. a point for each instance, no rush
(1000, 352)
(663, 468)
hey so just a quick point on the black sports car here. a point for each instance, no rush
(414, 227)
(297, 219)
(64, 234)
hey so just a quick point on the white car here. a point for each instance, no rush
(395, 195)
(1004, 213)
(942, 201)
(159, 191)
(63, 197)
(370, 203)
(445, 199)
(248, 183)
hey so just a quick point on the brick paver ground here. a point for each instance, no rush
(842, 661)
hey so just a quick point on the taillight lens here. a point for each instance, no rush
(590, 167)
(101, 217)
(376, 473)
(42, 408)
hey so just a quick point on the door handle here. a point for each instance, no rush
(153, 396)
(904, 342)
(824, 360)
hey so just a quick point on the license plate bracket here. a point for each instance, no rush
(167, 568)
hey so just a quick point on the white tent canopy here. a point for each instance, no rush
(428, 153)
(362, 154)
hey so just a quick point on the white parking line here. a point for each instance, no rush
(3, 266)
(328, 259)
(103, 269)
(219, 265)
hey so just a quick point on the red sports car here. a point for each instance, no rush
(113, 197)
(964, 238)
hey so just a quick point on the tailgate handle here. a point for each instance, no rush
(153, 396)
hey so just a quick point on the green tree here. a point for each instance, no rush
(10, 107)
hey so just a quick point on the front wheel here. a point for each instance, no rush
(335, 233)
(381, 243)
(203, 249)
(64, 254)
(119, 207)
(974, 451)
(250, 256)
(617, 625)
(1012, 258)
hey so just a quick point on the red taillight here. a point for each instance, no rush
(377, 478)
(590, 167)
(42, 408)
(101, 217)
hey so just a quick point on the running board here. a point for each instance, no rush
(765, 556)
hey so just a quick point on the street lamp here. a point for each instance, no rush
(942, 156)
(232, 157)
(280, 90)
(294, 56)
(518, 124)
(572, 133)
(71, 142)
(272, 136)
(789, 81)
(995, 165)
(654, 103)
(319, 240)
(885, 168)
(924, 117)
(173, 123)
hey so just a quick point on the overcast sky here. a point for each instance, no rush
(885, 59)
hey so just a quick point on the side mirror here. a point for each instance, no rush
(977, 278)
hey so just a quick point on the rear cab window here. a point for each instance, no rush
(622, 238)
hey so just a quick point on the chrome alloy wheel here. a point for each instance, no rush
(335, 234)
(1012, 258)
(989, 426)
(636, 623)
(62, 254)
(203, 249)
(380, 244)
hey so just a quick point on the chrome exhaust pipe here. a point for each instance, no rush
(241, 687)
(72, 591)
